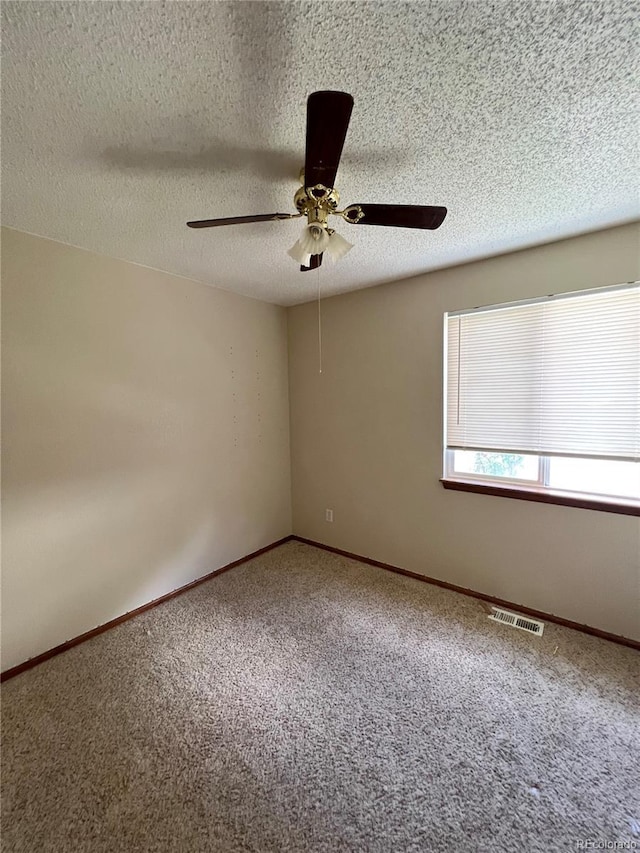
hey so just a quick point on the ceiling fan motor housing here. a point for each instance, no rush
(316, 202)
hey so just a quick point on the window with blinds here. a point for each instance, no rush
(549, 378)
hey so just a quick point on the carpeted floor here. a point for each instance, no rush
(306, 702)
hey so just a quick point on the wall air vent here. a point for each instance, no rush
(524, 623)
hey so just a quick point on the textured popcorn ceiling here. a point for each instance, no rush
(123, 120)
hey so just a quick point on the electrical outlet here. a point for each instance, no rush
(328, 515)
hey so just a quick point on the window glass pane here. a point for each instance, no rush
(511, 465)
(595, 476)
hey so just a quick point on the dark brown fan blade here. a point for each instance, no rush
(401, 215)
(240, 220)
(328, 115)
(314, 262)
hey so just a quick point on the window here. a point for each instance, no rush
(542, 399)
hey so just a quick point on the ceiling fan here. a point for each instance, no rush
(328, 115)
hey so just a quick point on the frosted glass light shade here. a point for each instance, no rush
(298, 254)
(338, 247)
(313, 241)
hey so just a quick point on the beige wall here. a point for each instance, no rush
(366, 441)
(145, 437)
(146, 440)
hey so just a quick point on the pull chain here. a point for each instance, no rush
(319, 327)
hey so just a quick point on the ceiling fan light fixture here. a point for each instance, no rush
(328, 115)
(313, 241)
(338, 247)
(314, 238)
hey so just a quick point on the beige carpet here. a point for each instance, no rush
(306, 702)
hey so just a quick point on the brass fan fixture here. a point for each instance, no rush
(328, 115)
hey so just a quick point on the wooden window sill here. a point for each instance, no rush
(547, 496)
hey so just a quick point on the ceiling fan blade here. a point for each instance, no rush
(240, 220)
(401, 215)
(328, 115)
(314, 262)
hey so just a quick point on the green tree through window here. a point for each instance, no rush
(498, 464)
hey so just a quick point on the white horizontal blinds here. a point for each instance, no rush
(494, 380)
(559, 376)
(590, 400)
